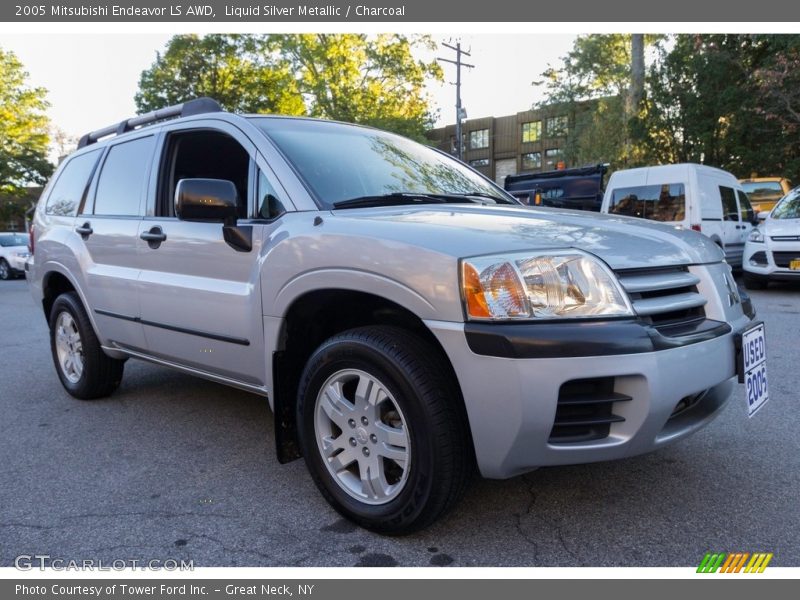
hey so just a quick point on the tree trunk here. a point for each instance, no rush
(635, 94)
(636, 90)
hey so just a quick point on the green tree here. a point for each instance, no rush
(725, 100)
(373, 80)
(600, 85)
(23, 129)
(233, 69)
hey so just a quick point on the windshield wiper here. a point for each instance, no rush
(394, 199)
(497, 199)
(401, 198)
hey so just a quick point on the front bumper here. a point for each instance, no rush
(764, 256)
(17, 263)
(512, 402)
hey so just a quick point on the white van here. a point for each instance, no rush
(688, 196)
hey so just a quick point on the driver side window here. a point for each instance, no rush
(204, 154)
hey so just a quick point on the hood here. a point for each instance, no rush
(470, 230)
(23, 248)
(782, 227)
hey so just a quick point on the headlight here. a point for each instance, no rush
(756, 236)
(21, 254)
(541, 285)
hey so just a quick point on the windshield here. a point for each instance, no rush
(789, 207)
(340, 162)
(16, 239)
(665, 202)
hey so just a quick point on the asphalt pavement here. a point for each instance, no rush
(174, 467)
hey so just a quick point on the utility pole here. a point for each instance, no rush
(459, 110)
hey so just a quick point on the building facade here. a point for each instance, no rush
(527, 142)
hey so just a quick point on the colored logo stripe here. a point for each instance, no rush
(732, 562)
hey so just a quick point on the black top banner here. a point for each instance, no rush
(281, 11)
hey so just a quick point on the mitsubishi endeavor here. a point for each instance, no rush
(407, 319)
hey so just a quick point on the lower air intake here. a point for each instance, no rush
(585, 410)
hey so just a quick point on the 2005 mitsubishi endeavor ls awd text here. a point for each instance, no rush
(407, 319)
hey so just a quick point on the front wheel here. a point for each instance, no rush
(5, 270)
(382, 429)
(85, 371)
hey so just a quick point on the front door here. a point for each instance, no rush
(200, 298)
(734, 230)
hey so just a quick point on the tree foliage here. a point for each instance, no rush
(23, 129)
(229, 68)
(593, 84)
(727, 100)
(374, 80)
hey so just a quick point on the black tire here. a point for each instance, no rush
(5, 270)
(101, 374)
(754, 283)
(441, 451)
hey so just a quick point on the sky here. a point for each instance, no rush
(91, 78)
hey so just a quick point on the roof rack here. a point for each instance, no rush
(197, 106)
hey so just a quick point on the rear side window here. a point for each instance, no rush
(552, 193)
(70, 187)
(122, 179)
(663, 202)
(730, 210)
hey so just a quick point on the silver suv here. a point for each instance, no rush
(406, 319)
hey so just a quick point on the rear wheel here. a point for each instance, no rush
(85, 371)
(754, 283)
(381, 429)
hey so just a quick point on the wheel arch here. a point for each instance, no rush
(314, 317)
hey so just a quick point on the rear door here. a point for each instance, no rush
(109, 227)
(201, 302)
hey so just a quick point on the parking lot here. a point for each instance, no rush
(176, 467)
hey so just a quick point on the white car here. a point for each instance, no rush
(14, 252)
(772, 251)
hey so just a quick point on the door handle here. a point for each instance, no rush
(85, 230)
(154, 237)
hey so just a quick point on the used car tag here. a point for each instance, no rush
(752, 367)
(794, 264)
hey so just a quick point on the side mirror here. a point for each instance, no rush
(762, 215)
(214, 200)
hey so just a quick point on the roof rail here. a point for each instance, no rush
(197, 106)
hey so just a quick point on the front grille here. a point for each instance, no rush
(785, 238)
(664, 296)
(585, 410)
(782, 259)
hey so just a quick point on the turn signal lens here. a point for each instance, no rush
(473, 294)
(503, 291)
(494, 291)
